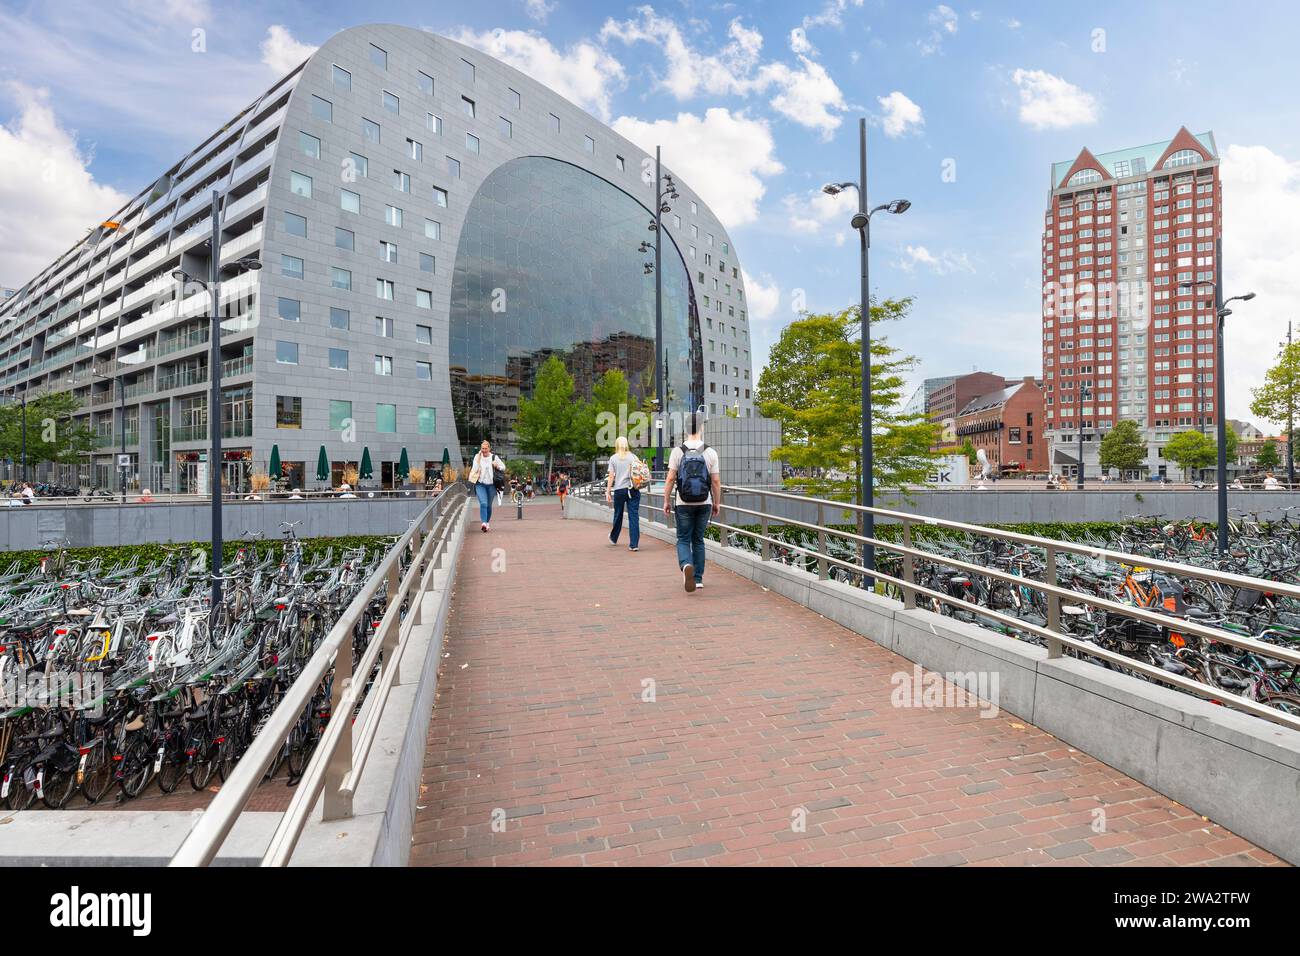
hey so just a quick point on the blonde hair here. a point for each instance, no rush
(620, 447)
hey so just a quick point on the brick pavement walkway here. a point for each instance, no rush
(765, 714)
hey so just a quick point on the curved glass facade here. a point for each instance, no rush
(548, 264)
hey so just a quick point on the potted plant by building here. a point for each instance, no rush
(416, 477)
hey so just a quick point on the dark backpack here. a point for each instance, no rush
(693, 482)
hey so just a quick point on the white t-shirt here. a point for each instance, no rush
(482, 472)
(710, 460)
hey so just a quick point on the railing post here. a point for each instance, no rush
(764, 549)
(1053, 605)
(338, 806)
(389, 651)
(909, 569)
(394, 581)
(822, 571)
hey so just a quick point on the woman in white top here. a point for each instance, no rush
(482, 476)
(620, 491)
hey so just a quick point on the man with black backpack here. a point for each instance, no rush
(694, 490)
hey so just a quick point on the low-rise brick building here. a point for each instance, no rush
(1007, 425)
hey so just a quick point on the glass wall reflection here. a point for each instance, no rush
(549, 264)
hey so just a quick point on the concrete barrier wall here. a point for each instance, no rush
(1240, 771)
(97, 525)
(1021, 505)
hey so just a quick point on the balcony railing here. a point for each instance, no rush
(189, 432)
(243, 428)
(244, 203)
(243, 365)
(185, 341)
(182, 378)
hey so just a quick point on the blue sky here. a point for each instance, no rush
(756, 105)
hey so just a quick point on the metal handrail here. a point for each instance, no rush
(331, 761)
(1054, 593)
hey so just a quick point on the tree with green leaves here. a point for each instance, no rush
(1193, 451)
(548, 421)
(1278, 399)
(52, 433)
(1123, 447)
(606, 416)
(812, 385)
(1269, 458)
(968, 450)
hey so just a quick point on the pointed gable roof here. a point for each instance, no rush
(1085, 160)
(1182, 140)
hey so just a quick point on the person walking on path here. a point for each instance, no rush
(483, 476)
(694, 491)
(621, 490)
(562, 487)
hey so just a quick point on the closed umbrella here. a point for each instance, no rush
(274, 470)
(322, 465)
(446, 456)
(403, 466)
(367, 470)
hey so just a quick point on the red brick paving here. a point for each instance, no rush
(763, 710)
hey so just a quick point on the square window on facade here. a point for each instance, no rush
(433, 228)
(467, 106)
(338, 360)
(423, 299)
(286, 353)
(383, 327)
(357, 166)
(340, 77)
(289, 309)
(471, 142)
(401, 181)
(322, 109)
(467, 72)
(341, 279)
(555, 123)
(392, 102)
(291, 267)
(415, 150)
(384, 289)
(383, 365)
(345, 239)
(288, 411)
(428, 263)
(434, 123)
(620, 164)
(505, 127)
(588, 144)
(453, 167)
(309, 144)
(439, 196)
(424, 371)
(295, 225)
(514, 98)
(427, 420)
(393, 216)
(340, 409)
(426, 83)
(370, 130)
(386, 418)
(349, 201)
(424, 334)
(378, 57)
(388, 251)
(340, 319)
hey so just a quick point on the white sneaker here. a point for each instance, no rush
(487, 527)
(698, 585)
(482, 526)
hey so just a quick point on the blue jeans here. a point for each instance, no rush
(629, 498)
(691, 522)
(485, 495)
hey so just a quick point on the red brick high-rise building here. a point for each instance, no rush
(1122, 230)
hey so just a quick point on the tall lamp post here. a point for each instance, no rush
(214, 376)
(1085, 394)
(665, 189)
(1221, 312)
(862, 223)
(1290, 427)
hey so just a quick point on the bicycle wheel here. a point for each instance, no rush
(171, 771)
(203, 762)
(21, 796)
(58, 787)
(137, 765)
(98, 777)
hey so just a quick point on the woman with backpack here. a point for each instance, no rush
(487, 473)
(622, 488)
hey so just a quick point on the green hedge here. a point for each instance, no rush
(148, 553)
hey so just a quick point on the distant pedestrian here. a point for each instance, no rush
(622, 492)
(562, 488)
(694, 492)
(28, 493)
(1271, 483)
(486, 472)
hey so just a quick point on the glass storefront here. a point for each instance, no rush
(549, 264)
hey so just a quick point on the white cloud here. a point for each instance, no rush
(539, 10)
(1013, 24)
(1049, 102)
(799, 41)
(762, 295)
(831, 15)
(723, 156)
(976, 15)
(901, 114)
(812, 212)
(281, 52)
(943, 22)
(50, 199)
(1261, 200)
(194, 12)
(807, 94)
(945, 263)
(584, 73)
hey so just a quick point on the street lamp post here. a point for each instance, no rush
(214, 393)
(665, 189)
(1221, 312)
(1084, 394)
(861, 221)
(1290, 425)
(23, 405)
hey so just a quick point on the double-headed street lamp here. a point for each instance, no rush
(1221, 312)
(862, 223)
(214, 375)
(665, 189)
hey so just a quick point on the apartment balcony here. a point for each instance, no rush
(242, 428)
(191, 235)
(183, 433)
(265, 126)
(146, 292)
(202, 200)
(182, 379)
(245, 204)
(185, 341)
(154, 258)
(232, 368)
(254, 165)
(239, 246)
(141, 389)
